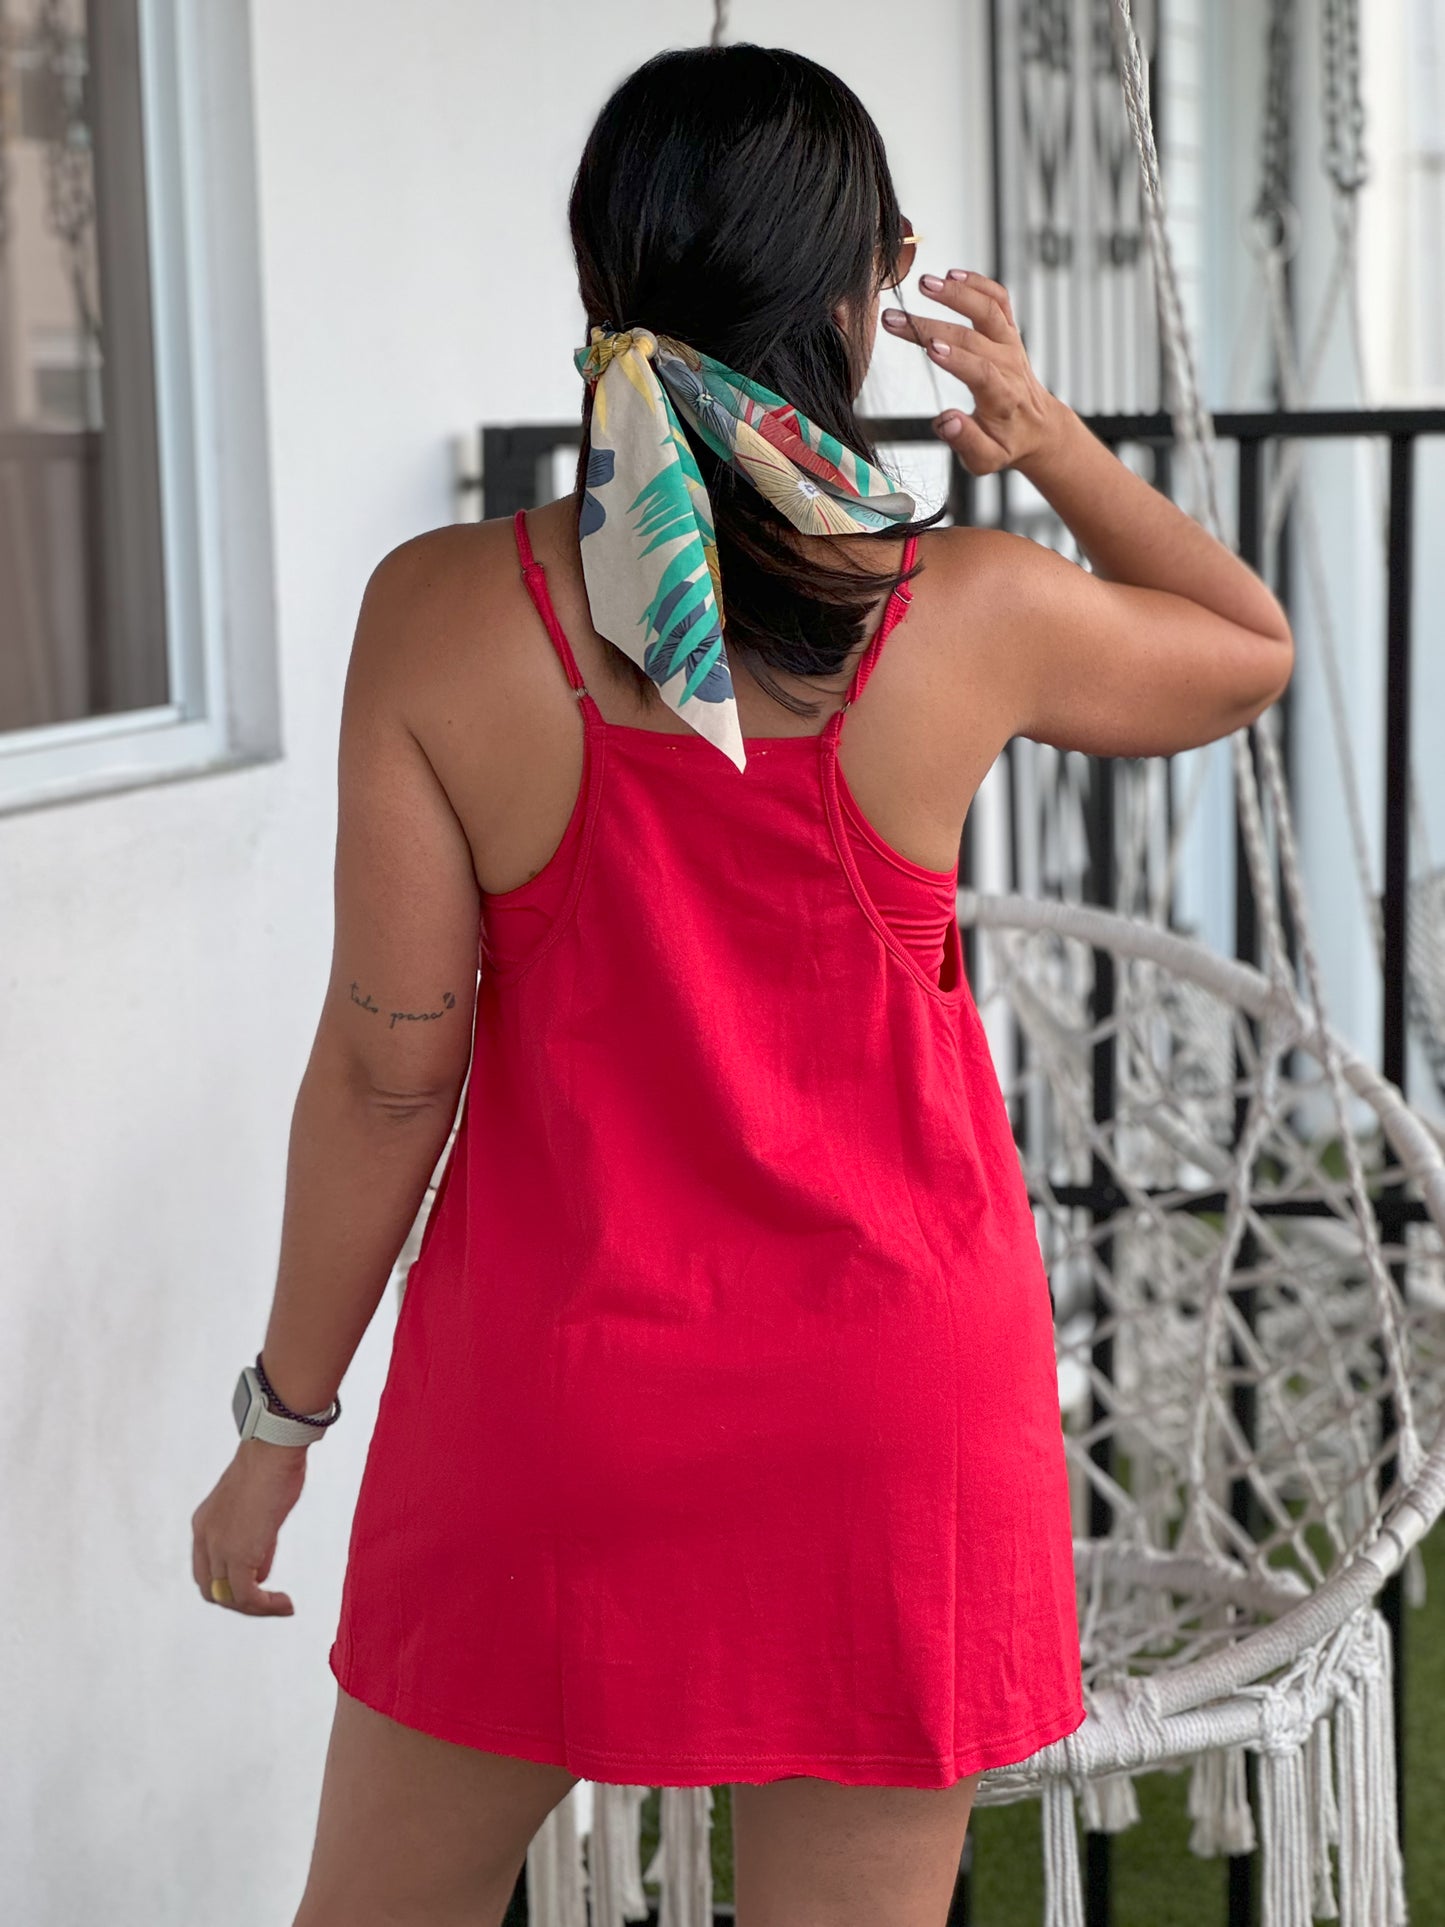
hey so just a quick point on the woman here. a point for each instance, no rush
(721, 1440)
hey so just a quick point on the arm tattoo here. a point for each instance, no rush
(449, 1002)
(423, 1016)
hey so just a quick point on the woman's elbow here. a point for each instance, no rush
(432, 1105)
(392, 1088)
(1277, 669)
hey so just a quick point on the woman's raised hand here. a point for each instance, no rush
(1014, 417)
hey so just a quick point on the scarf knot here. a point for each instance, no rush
(648, 540)
(605, 344)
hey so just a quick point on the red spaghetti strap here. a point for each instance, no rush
(535, 577)
(524, 541)
(892, 616)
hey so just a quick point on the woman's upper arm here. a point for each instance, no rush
(404, 963)
(1112, 669)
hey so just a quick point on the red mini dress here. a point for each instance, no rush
(721, 1436)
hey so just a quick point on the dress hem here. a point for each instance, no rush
(615, 1769)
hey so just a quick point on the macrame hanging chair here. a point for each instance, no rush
(1249, 1372)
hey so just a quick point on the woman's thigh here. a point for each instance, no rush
(416, 1832)
(811, 1853)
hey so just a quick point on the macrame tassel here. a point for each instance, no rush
(682, 1864)
(1371, 1876)
(1218, 1804)
(614, 1855)
(1284, 1824)
(556, 1880)
(1109, 1803)
(1384, 1696)
(1063, 1887)
(1324, 1817)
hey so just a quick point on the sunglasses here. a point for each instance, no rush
(903, 262)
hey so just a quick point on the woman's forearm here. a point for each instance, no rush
(1132, 533)
(356, 1173)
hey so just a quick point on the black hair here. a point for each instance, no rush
(733, 197)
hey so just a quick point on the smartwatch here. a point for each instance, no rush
(256, 1419)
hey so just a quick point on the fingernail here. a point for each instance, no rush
(958, 274)
(892, 318)
(939, 347)
(947, 424)
(930, 281)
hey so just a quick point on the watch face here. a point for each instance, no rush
(241, 1402)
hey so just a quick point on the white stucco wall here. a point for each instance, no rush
(164, 950)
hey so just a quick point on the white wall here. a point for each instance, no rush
(165, 949)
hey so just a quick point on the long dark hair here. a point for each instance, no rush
(733, 197)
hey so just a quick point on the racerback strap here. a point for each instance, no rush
(892, 616)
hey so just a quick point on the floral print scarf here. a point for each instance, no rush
(649, 547)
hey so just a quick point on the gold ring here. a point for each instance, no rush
(221, 1592)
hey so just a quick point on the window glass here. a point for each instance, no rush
(82, 605)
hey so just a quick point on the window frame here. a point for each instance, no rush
(215, 508)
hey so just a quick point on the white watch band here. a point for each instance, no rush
(255, 1419)
(276, 1430)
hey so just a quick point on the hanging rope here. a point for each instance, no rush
(1274, 211)
(1345, 156)
(1194, 421)
(1194, 429)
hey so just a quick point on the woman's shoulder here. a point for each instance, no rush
(442, 629)
(980, 551)
(977, 582)
(438, 595)
(459, 560)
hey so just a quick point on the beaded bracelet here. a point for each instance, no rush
(284, 1411)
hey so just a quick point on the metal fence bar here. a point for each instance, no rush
(1211, 1204)
(1240, 1885)
(1103, 858)
(1400, 594)
(1394, 913)
(511, 455)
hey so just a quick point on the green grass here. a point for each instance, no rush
(1425, 1741)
